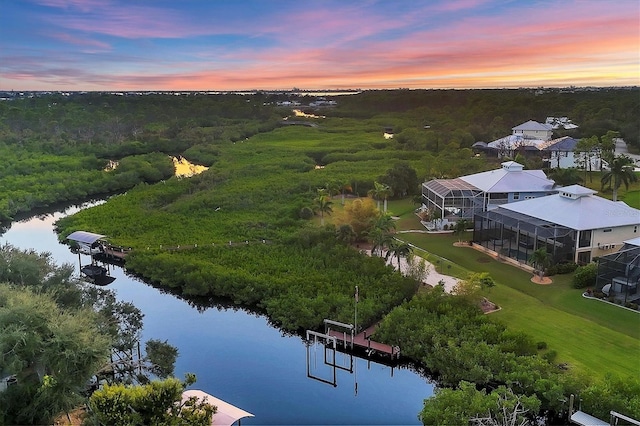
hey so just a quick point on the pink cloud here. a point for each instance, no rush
(82, 41)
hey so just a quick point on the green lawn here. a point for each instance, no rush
(593, 337)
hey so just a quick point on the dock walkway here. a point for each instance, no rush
(363, 341)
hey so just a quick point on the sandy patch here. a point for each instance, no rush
(544, 281)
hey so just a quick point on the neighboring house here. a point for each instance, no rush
(620, 271)
(462, 197)
(525, 138)
(557, 122)
(533, 130)
(511, 145)
(573, 225)
(561, 154)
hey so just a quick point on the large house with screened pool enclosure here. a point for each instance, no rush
(573, 225)
(461, 198)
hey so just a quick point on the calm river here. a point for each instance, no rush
(238, 357)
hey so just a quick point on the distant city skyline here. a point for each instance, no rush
(202, 45)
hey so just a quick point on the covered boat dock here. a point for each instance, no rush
(226, 414)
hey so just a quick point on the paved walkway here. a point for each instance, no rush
(621, 148)
(431, 276)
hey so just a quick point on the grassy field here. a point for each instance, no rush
(592, 337)
(630, 195)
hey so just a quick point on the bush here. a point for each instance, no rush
(550, 356)
(541, 345)
(305, 213)
(567, 268)
(585, 276)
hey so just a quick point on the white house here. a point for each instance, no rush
(462, 197)
(534, 130)
(527, 136)
(573, 225)
(561, 153)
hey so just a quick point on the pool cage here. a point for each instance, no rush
(619, 274)
(452, 199)
(517, 236)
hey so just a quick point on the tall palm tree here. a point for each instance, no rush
(323, 205)
(620, 171)
(379, 192)
(380, 240)
(333, 188)
(399, 249)
(345, 187)
(386, 223)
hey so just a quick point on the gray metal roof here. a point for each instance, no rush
(564, 144)
(503, 180)
(633, 242)
(585, 212)
(85, 237)
(532, 125)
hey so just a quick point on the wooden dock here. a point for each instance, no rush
(363, 342)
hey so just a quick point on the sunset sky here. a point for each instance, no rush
(323, 44)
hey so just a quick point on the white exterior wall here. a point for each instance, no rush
(544, 135)
(603, 243)
(570, 159)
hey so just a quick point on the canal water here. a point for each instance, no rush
(238, 357)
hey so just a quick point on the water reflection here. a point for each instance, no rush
(241, 358)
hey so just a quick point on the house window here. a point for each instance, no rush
(584, 257)
(585, 239)
(606, 230)
(516, 196)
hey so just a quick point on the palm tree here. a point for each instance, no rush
(379, 240)
(323, 205)
(620, 171)
(333, 188)
(379, 192)
(386, 223)
(461, 227)
(540, 260)
(345, 187)
(399, 249)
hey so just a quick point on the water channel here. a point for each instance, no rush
(238, 357)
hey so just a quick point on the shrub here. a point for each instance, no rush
(550, 356)
(305, 213)
(445, 227)
(541, 345)
(567, 268)
(585, 276)
(551, 270)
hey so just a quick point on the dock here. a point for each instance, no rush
(361, 341)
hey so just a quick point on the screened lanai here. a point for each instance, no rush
(517, 236)
(452, 198)
(621, 273)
